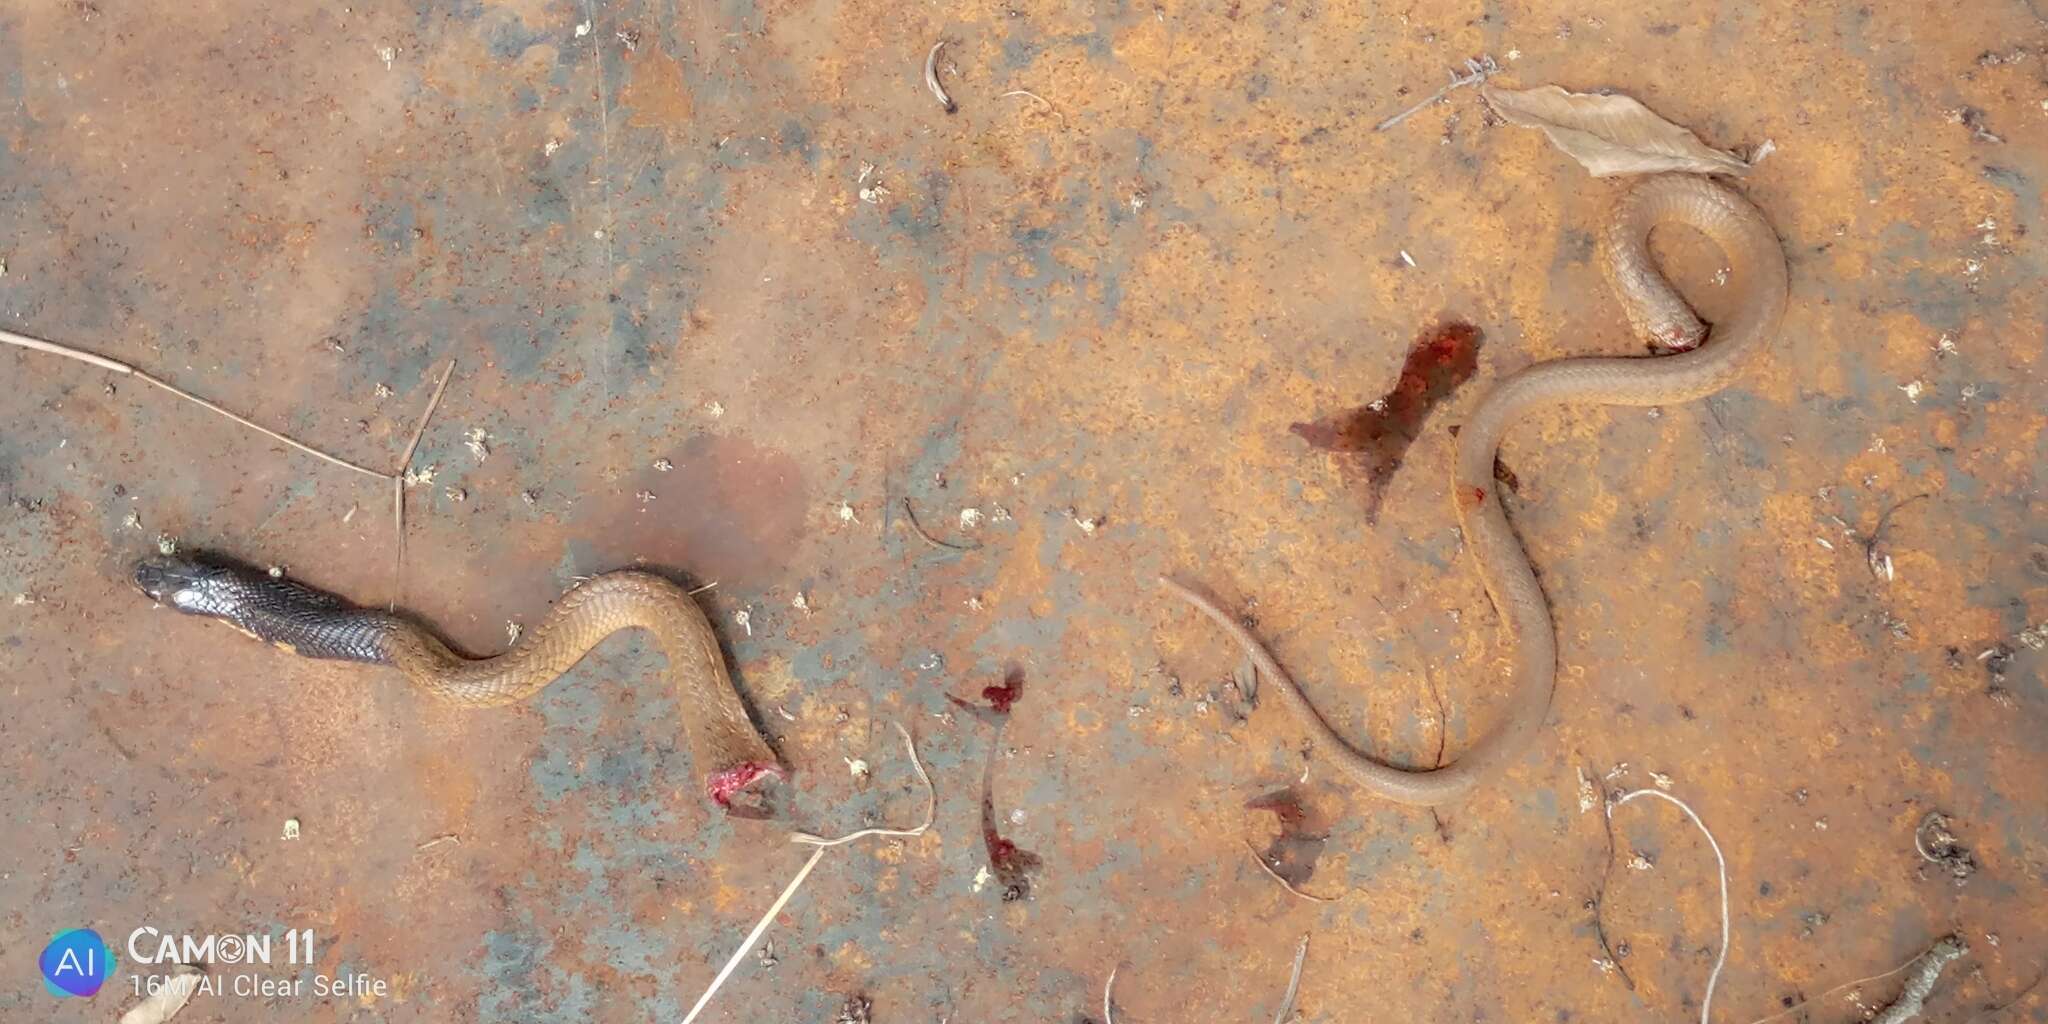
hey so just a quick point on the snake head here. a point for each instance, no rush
(179, 582)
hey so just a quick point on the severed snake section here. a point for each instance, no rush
(729, 750)
(1657, 312)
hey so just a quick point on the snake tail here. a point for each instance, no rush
(728, 749)
(1706, 360)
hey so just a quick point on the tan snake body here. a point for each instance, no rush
(1656, 311)
(729, 751)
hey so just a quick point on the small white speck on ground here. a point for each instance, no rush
(663, 465)
(291, 828)
(801, 603)
(973, 603)
(970, 518)
(512, 631)
(420, 476)
(476, 441)
(1088, 525)
(982, 878)
(276, 572)
(134, 520)
(1661, 780)
(582, 29)
(644, 496)
(1820, 825)
(856, 767)
(1588, 796)
(1638, 862)
(745, 620)
(456, 494)
(550, 148)
(383, 390)
(23, 599)
(166, 545)
(999, 514)
(714, 409)
(846, 515)
(1913, 389)
(387, 54)
(530, 497)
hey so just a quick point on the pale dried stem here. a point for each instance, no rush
(819, 845)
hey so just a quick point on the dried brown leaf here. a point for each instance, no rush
(170, 997)
(1610, 135)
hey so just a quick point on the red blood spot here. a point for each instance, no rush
(1475, 497)
(1293, 853)
(1285, 805)
(1002, 697)
(1011, 864)
(723, 786)
(1442, 358)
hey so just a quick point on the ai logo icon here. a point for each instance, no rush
(76, 963)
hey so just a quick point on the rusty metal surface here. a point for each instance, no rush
(739, 240)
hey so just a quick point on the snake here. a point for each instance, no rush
(1694, 362)
(729, 751)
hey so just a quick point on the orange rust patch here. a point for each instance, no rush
(657, 96)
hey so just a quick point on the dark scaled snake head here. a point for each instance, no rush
(182, 583)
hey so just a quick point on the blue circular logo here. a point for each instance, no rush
(76, 963)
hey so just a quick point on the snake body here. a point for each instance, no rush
(728, 749)
(1656, 311)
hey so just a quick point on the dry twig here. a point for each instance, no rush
(931, 78)
(1600, 898)
(398, 481)
(819, 845)
(1268, 868)
(1721, 864)
(1927, 968)
(115, 366)
(1293, 984)
(1794, 1008)
(1476, 71)
(919, 529)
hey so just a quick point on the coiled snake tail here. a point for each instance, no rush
(1654, 308)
